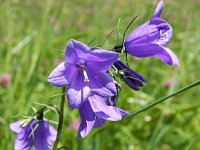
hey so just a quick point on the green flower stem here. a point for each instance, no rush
(162, 99)
(60, 122)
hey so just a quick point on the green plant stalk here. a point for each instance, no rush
(158, 130)
(60, 122)
(162, 99)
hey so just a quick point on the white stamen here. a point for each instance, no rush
(86, 79)
(164, 37)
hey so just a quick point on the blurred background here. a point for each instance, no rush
(33, 35)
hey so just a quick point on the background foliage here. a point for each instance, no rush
(32, 36)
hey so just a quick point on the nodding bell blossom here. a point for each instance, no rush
(84, 71)
(96, 111)
(151, 39)
(130, 77)
(33, 133)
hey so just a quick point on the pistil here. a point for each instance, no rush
(81, 68)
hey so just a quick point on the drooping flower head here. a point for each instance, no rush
(84, 71)
(33, 132)
(96, 111)
(133, 79)
(151, 39)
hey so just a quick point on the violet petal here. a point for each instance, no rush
(159, 9)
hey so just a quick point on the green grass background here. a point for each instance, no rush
(32, 36)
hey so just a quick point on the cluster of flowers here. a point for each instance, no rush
(91, 88)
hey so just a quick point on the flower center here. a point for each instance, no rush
(111, 101)
(82, 69)
(164, 37)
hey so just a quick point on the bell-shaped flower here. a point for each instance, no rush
(34, 133)
(130, 77)
(151, 39)
(96, 111)
(84, 71)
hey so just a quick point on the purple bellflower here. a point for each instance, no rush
(130, 77)
(96, 111)
(151, 39)
(38, 134)
(84, 71)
